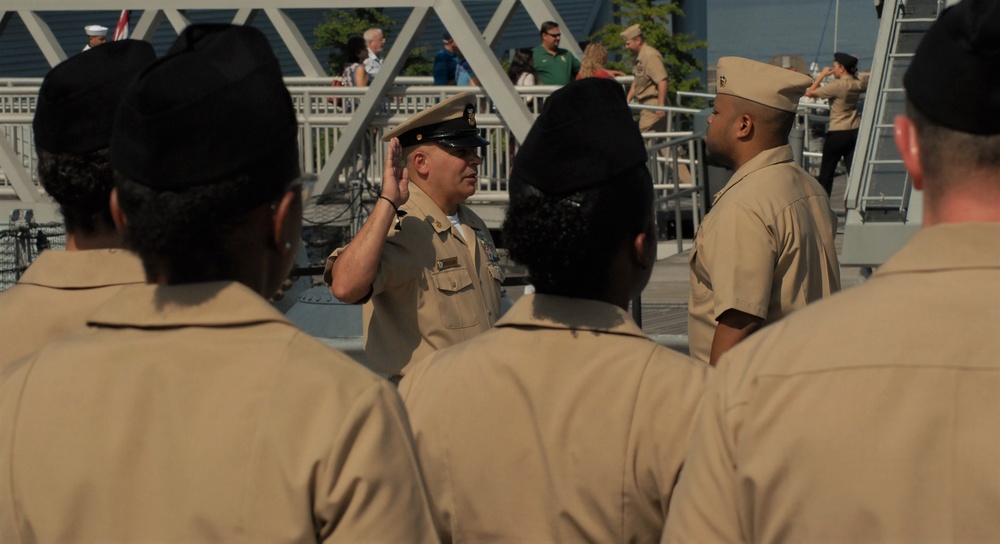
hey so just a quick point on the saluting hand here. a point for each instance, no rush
(395, 178)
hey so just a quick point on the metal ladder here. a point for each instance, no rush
(883, 210)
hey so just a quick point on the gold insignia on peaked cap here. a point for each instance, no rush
(451, 122)
(765, 84)
(631, 32)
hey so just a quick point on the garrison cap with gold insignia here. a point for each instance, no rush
(451, 122)
(762, 83)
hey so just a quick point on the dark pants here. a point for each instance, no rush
(839, 144)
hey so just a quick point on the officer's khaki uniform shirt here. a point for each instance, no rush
(868, 417)
(433, 289)
(56, 294)
(564, 423)
(198, 413)
(765, 249)
(648, 71)
(843, 95)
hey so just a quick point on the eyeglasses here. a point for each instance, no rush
(556, 36)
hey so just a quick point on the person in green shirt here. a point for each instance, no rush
(553, 64)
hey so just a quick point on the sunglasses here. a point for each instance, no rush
(557, 36)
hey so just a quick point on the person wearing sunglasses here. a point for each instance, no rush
(553, 64)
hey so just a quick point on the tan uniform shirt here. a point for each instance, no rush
(56, 294)
(649, 71)
(843, 95)
(765, 249)
(433, 289)
(868, 417)
(198, 413)
(565, 423)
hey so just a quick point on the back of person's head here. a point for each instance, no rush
(523, 61)
(72, 127)
(203, 138)
(953, 92)
(579, 190)
(594, 57)
(355, 46)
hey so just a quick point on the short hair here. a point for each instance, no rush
(945, 153)
(371, 34)
(547, 26)
(568, 242)
(184, 235)
(777, 123)
(81, 184)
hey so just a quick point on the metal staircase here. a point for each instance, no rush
(883, 211)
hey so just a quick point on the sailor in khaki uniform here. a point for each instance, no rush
(424, 264)
(565, 423)
(190, 410)
(766, 248)
(872, 416)
(72, 128)
(650, 84)
(845, 119)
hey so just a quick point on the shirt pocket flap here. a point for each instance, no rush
(452, 280)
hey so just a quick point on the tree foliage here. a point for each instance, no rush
(680, 63)
(341, 24)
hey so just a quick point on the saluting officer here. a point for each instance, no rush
(424, 264)
(872, 416)
(766, 248)
(72, 127)
(565, 423)
(190, 410)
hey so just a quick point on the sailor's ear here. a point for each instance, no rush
(908, 143)
(117, 215)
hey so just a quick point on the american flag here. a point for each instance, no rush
(121, 31)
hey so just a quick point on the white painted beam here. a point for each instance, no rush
(296, 43)
(358, 126)
(44, 37)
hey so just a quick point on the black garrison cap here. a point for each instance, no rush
(451, 122)
(954, 77)
(215, 108)
(584, 137)
(849, 62)
(78, 98)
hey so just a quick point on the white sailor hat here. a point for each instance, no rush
(96, 30)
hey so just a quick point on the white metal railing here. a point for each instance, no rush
(324, 111)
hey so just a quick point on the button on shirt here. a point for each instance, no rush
(871, 416)
(765, 249)
(434, 287)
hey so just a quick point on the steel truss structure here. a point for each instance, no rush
(476, 47)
